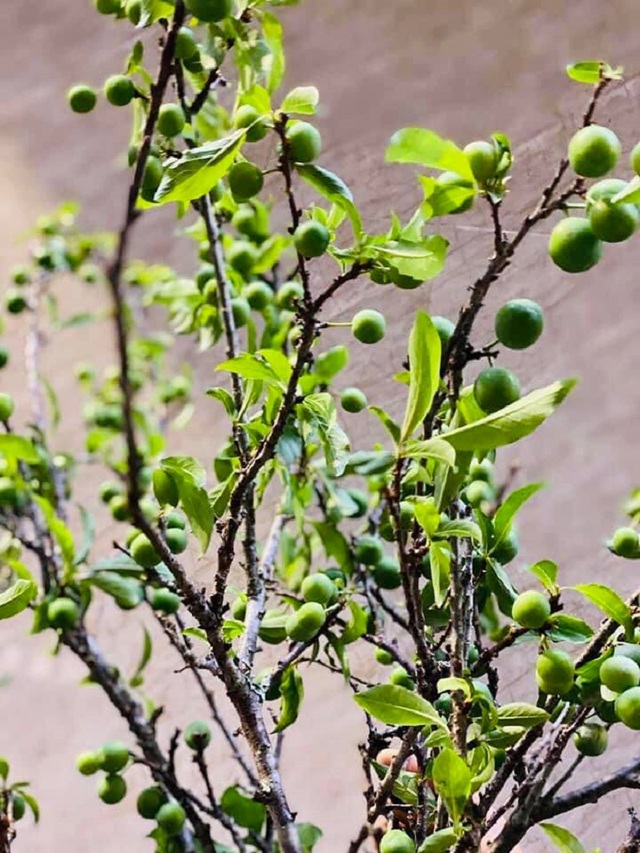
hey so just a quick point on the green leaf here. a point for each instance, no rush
(184, 468)
(458, 529)
(31, 801)
(507, 511)
(335, 190)
(585, 72)
(17, 447)
(250, 366)
(422, 260)
(440, 567)
(511, 423)
(245, 811)
(452, 781)
(356, 627)
(630, 194)
(522, 715)
(500, 585)
(61, 533)
(301, 101)
(425, 351)
(88, 535)
(153, 10)
(563, 840)
(126, 592)
(610, 603)
(145, 657)
(4, 767)
(120, 563)
(196, 634)
(292, 693)
(17, 598)
(194, 501)
(568, 629)
(426, 148)
(547, 573)
(308, 834)
(432, 448)
(198, 171)
(273, 63)
(387, 422)
(320, 411)
(442, 840)
(398, 706)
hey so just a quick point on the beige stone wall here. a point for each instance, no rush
(465, 69)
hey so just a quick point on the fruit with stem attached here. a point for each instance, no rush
(248, 117)
(7, 406)
(89, 763)
(554, 672)
(150, 801)
(613, 223)
(531, 610)
(210, 11)
(311, 239)
(112, 789)
(114, 756)
(143, 552)
(304, 142)
(594, 151)
(171, 817)
(82, 98)
(318, 587)
(369, 550)
(627, 708)
(483, 160)
(368, 326)
(591, 739)
(625, 542)
(519, 323)
(197, 735)
(396, 841)
(573, 246)
(63, 613)
(171, 120)
(119, 90)
(165, 601)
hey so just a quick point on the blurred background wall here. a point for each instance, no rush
(465, 69)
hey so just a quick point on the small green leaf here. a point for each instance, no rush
(630, 194)
(31, 801)
(250, 367)
(423, 259)
(425, 351)
(184, 468)
(511, 423)
(564, 841)
(198, 171)
(426, 148)
(17, 447)
(308, 834)
(585, 72)
(244, 810)
(145, 657)
(356, 627)
(153, 10)
(126, 592)
(610, 603)
(507, 511)
(301, 101)
(273, 63)
(194, 501)
(432, 448)
(387, 422)
(452, 684)
(547, 573)
(335, 190)
(522, 715)
(4, 767)
(439, 842)
(452, 781)
(196, 634)
(17, 598)
(440, 567)
(292, 693)
(88, 535)
(398, 706)
(568, 629)
(459, 528)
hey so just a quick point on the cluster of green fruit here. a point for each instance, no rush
(575, 244)
(112, 758)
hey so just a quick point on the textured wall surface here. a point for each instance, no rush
(464, 69)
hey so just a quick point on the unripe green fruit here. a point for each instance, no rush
(619, 673)
(519, 323)
(635, 158)
(531, 610)
(164, 488)
(206, 273)
(20, 274)
(248, 221)
(63, 613)
(554, 672)
(114, 756)
(627, 707)
(495, 388)
(107, 7)
(134, 11)
(143, 552)
(483, 160)
(258, 294)
(573, 246)
(369, 550)
(89, 763)
(82, 98)
(6, 406)
(508, 549)
(15, 301)
(445, 329)
(241, 311)
(362, 501)
(176, 540)
(386, 573)
(186, 45)
(119, 90)
(151, 178)
(401, 678)
(150, 801)
(171, 818)
(481, 470)
(311, 239)
(626, 542)
(210, 11)
(239, 608)
(4, 356)
(108, 417)
(591, 739)
(368, 326)
(109, 490)
(174, 519)
(165, 601)
(452, 182)
(18, 806)
(245, 180)
(171, 120)
(197, 735)
(249, 117)
(384, 657)
(242, 256)
(353, 400)
(613, 223)
(8, 492)
(304, 141)
(594, 151)
(396, 841)
(319, 588)
(289, 294)
(305, 622)
(112, 789)
(478, 492)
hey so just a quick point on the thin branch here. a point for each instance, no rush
(626, 777)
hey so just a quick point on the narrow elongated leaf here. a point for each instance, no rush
(563, 840)
(17, 598)
(522, 715)
(610, 603)
(127, 592)
(292, 693)
(507, 511)
(440, 565)
(274, 63)
(511, 423)
(334, 190)
(17, 447)
(398, 706)
(425, 351)
(584, 72)
(426, 148)
(387, 422)
(301, 101)
(199, 170)
(452, 781)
